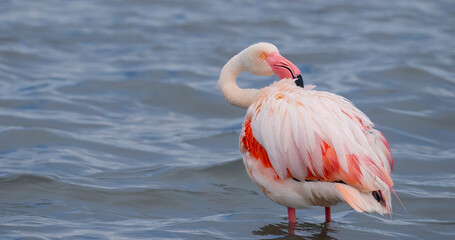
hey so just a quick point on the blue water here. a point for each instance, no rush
(112, 125)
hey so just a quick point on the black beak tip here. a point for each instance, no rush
(299, 80)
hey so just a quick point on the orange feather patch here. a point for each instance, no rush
(332, 170)
(254, 147)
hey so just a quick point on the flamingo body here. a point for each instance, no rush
(305, 147)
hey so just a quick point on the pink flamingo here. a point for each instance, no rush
(304, 147)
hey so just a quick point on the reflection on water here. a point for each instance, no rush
(306, 230)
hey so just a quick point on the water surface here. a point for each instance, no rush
(112, 126)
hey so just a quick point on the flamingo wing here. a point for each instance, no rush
(313, 135)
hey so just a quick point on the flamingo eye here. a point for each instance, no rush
(263, 56)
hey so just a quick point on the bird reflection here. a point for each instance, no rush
(305, 230)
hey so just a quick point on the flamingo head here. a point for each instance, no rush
(264, 59)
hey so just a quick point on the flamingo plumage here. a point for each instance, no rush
(305, 147)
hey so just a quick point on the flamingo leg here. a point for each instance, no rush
(291, 215)
(328, 217)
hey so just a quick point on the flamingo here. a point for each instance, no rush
(304, 147)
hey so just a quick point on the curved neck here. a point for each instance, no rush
(231, 91)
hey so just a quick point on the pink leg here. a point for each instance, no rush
(328, 218)
(291, 215)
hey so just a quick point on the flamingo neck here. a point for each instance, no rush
(231, 91)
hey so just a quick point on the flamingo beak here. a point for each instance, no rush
(283, 68)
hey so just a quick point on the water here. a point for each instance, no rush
(112, 126)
